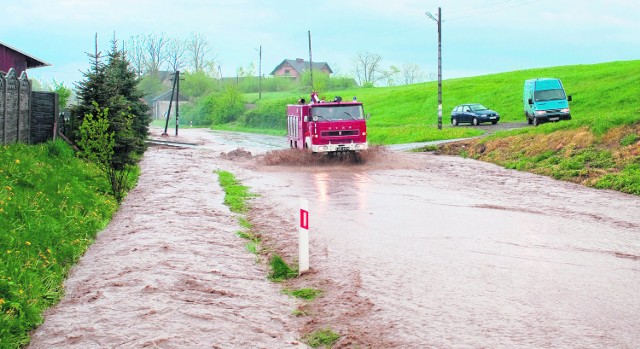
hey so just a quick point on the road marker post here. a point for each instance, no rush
(303, 237)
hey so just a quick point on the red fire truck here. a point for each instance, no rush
(323, 127)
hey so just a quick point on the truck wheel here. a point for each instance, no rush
(475, 122)
(535, 121)
(454, 122)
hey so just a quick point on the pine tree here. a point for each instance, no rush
(123, 81)
(91, 90)
(126, 102)
(109, 95)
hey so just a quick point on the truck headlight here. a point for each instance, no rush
(565, 110)
(540, 112)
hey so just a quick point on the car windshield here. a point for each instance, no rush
(478, 107)
(549, 95)
(339, 112)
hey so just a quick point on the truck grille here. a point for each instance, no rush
(339, 133)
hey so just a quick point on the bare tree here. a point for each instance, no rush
(135, 53)
(199, 52)
(391, 76)
(176, 54)
(155, 48)
(411, 73)
(247, 71)
(366, 66)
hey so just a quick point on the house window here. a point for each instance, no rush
(287, 72)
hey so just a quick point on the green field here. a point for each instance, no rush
(604, 96)
(599, 147)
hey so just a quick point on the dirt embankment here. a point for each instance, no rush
(576, 155)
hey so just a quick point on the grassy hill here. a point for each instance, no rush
(604, 96)
(52, 205)
(599, 147)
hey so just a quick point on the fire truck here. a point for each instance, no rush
(327, 127)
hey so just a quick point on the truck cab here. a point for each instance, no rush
(325, 127)
(545, 100)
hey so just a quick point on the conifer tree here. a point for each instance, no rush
(91, 90)
(109, 95)
(126, 100)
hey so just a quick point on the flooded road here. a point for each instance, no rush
(457, 253)
(454, 260)
(410, 251)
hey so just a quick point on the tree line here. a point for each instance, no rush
(151, 53)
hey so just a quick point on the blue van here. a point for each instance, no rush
(545, 100)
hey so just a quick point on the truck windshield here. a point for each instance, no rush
(549, 95)
(337, 112)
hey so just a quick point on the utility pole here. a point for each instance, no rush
(310, 61)
(439, 22)
(260, 74)
(177, 77)
(175, 91)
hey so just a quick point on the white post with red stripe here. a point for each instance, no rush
(303, 237)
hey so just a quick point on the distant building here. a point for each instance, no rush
(18, 60)
(159, 105)
(293, 68)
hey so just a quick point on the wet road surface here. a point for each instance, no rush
(458, 253)
(411, 250)
(452, 260)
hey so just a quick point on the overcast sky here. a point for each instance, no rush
(478, 36)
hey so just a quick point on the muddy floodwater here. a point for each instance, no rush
(410, 250)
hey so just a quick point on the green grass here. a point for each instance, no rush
(280, 270)
(52, 205)
(604, 96)
(627, 180)
(253, 245)
(236, 194)
(324, 337)
(308, 294)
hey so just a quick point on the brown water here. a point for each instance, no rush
(453, 260)
(169, 271)
(411, 250)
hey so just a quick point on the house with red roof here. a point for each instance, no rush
(293, 68)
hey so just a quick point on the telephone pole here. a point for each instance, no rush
(260, 73)
(310, 62)
(439, 22)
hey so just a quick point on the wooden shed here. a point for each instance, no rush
(13, 58)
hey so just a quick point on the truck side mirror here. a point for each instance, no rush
(530, 101)
(569, 98)
(367, 117)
